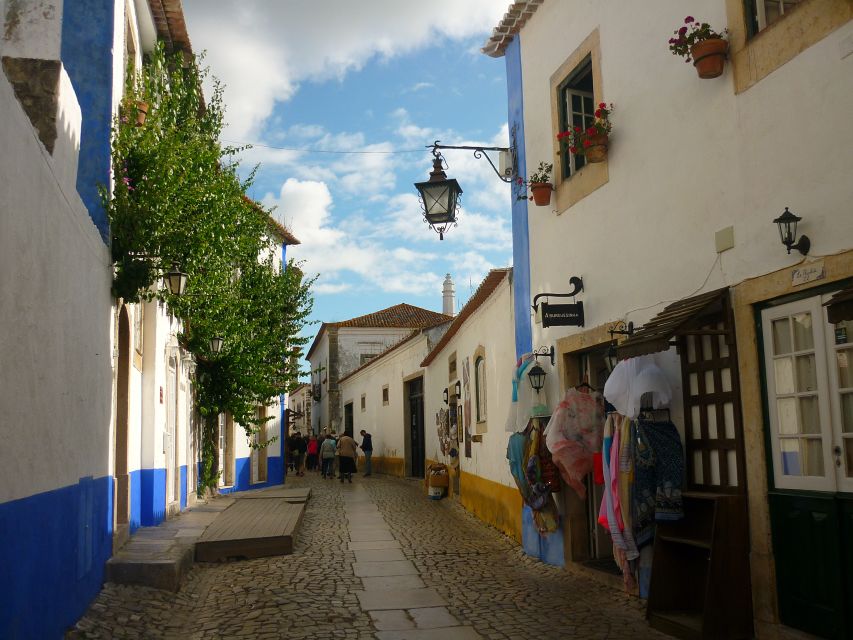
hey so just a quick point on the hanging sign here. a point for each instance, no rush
(562, 315)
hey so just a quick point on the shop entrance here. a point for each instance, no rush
(808, 363)
(591, 546)
(416, 448)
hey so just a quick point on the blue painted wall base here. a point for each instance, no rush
(53, 547)
(243, 475)
(153, 497)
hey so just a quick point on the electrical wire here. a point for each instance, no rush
(331, 151)
(717, 260)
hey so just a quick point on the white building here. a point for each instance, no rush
(299, 402)
(679, 218)
(342, 347)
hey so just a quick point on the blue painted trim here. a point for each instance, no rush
(153, 497)
(183, 487)
(135, 500)
(53, 547)
(243, 475)
(520, 234)
(87, 45)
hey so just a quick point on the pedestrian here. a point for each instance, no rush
(312, 450)
(327, 457)
(346, 457)
(367, 448)
(299, 448)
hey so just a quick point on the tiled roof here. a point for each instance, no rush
(171, 26)
(489, 284)
(276, 228)
(514, 19)
(379, 356)
(400, 316)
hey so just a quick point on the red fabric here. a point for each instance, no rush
(597, 468)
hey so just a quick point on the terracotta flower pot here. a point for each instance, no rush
(597, 150)
(541, 193)
(709, 57)
(141, 112)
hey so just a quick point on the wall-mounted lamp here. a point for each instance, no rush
(458, 389)
(788, 232)
(440, 196)
(216, 344)
(537, 377)
(176, 280)
(446, 396)
(545, 351)
(611, 359)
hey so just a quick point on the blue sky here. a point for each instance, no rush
(377, 75)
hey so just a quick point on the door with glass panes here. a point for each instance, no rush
(809, 399)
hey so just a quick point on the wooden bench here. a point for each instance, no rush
(251, 529)
(288, 495)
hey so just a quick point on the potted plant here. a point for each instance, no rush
(698, 42)
(593, 141)
(540, 184)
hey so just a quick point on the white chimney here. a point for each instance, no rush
(448, 296)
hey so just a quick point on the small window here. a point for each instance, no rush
(763, 13)
(451, 366)
(577, 109)
(385, 395)
(363, 402)
(480, 387)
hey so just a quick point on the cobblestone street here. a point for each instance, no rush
(375, 559)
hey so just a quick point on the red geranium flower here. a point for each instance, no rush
(688, 19)
(602, 105)
(591, 131)
(578, 129)
(587, 143)
(598, 113)
(682, 31)
(573, 149)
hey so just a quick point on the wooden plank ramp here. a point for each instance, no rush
(295, 496)
(251, 529)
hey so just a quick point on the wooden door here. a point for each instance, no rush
(417, 446)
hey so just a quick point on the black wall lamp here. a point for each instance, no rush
(458, 389)
(446, 396)
(439, 195)
(788, 232)
(176, 280)
(544, 351)
(611, 359)
(216, 344)
(537, 377)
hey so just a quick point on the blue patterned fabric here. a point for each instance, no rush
(659, 469)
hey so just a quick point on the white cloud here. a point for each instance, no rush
(330, 288)
(262, 50)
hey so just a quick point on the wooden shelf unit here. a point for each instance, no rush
(700, 585)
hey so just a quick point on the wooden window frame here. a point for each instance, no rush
(593, 175)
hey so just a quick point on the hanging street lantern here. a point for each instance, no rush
(216, 344)
(439, 197)
(176, 280)
(537, 377)
(788, 232)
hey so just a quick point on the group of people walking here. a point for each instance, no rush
(327, 452)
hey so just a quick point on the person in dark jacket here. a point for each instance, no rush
(367, 448)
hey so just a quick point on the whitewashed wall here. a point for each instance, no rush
(353, 342)
(55, 346)
(688, 157)
(386, 423)
(490, 326)
(320, 358)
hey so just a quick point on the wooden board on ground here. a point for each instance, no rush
(289, 495)
(251, 529)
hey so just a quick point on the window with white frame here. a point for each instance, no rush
(576, 102)
(763, 13)
(809, 396)
(480, 387)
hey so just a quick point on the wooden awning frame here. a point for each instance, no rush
(677, 319)
(840, 306)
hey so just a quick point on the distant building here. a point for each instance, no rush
(342, 347)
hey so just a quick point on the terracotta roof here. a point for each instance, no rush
(171, 26)
(281, 232)
(393, 347)
(514, 19)
(400, 316)
(487, 286)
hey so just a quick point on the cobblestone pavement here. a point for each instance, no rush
(488, 587)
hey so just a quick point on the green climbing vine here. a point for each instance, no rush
(177, 199)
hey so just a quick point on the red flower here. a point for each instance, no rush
(688, 19)
(682, 31)
(587, 143)
(578, 129)
(591, 131)
(602, 105)
(573, 149)
(598, 113)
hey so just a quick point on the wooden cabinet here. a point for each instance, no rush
(700, 586)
